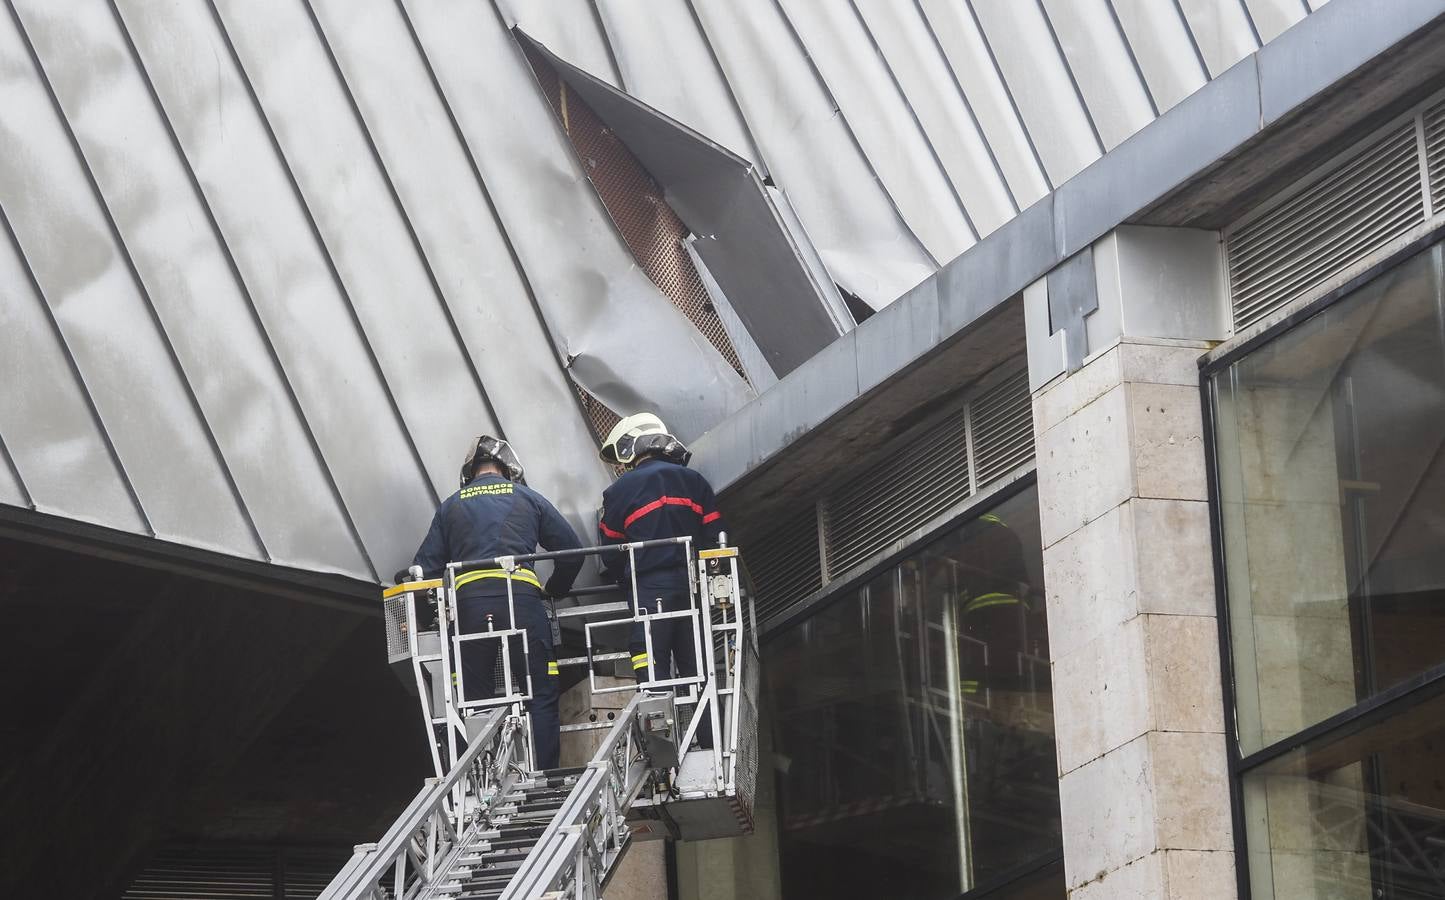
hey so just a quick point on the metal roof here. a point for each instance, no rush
(268, 265)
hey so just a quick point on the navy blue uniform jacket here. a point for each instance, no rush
(658, 499)
(490, 517)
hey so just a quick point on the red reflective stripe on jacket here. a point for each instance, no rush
(608, 532)
(711, 517)
(659, 503)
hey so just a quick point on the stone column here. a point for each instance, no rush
(642, 875)
(1128, 569)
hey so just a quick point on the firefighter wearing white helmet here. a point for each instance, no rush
(657, 496)
(496, 514)
(639, 436)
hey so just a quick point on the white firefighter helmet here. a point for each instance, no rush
(490, 449)
(636, 436)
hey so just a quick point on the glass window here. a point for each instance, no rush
(1332, 492)
(1361, 814)
(914, 723)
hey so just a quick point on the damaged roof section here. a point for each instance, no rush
(790, 310)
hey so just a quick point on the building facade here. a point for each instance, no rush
(1070, 373)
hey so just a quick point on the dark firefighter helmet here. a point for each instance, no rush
(490, 449)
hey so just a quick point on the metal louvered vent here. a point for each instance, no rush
(1003, 428)
(1323, 229)
(784, 563)
(230, 872)
(1435, 154)
(882, 504)
(930, 471)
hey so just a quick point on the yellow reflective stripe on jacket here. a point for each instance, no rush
(552, 669)
(993, 519)
(526, 576)
(969, 685)
(984, 601)
(639, 661)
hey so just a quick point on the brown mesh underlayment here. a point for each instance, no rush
(648, 225)
(599, 415)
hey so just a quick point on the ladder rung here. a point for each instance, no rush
(589, 726)
(594, 609)
(596, 657)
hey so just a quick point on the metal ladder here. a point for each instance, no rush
(492, 825)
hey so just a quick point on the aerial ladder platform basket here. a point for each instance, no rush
(493, 825)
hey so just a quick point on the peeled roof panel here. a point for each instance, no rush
(625, 343)
(741, 237)
(570, 27)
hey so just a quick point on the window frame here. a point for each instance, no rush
(1419, 688)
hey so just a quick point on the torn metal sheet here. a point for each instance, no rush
(623, 341)
(745, 245)
(574, 28)
(755, 364)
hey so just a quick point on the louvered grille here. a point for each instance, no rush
(221, 872)
(1435, 154)
(928, 474)
(783, 563)
(1003, 428)
(1327, 227)
(887, 501)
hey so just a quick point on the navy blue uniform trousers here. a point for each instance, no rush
(673, 648)
(480, 660)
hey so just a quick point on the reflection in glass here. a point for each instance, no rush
(915, 723)
(1332, 491)
(1357, 816)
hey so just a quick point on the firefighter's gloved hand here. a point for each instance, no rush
(401, 575)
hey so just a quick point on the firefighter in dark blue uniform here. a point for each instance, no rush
(658, 496)
(496, 514)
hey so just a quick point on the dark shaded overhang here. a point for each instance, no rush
(1299, 99)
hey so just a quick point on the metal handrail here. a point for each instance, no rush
(593, 817)
(435, 804)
